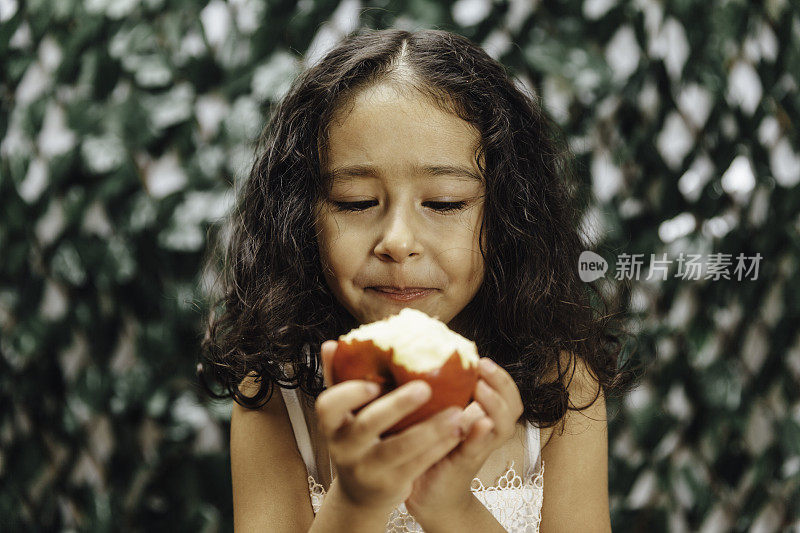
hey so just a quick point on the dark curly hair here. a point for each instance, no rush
(275, 309)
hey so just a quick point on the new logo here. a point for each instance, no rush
(591, 266)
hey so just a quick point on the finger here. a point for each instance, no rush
(327, 351)
(380, 415)
(502, 382)
(440, 431)
(334, 405)
(472, 414)
(476, 448)
(495, 407)
(438, 449)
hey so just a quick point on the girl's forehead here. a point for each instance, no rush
(382, 126)
(385, 97)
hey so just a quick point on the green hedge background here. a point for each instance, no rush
(125, 125)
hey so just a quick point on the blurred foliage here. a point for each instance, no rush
(126, 124)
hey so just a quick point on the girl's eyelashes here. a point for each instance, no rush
(437, 206)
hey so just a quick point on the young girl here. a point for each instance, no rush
(408, 170)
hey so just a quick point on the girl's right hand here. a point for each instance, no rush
(377, 472)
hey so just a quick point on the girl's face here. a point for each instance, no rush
(395, 216)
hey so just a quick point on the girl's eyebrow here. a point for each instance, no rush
(356, 171)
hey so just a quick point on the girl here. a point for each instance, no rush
(407, 169)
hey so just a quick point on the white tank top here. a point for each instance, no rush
(516, 502)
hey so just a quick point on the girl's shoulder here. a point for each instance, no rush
(264, 456)
(577, 449)
(582, 387)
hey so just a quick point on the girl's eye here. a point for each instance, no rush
(448, 206)
(438, 206)
(352, 206)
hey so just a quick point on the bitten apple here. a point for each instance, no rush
(407, 346)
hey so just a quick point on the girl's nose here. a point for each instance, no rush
(398, 240)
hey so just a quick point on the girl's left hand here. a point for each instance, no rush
(444, 489)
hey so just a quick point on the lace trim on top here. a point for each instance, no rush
(517, 505)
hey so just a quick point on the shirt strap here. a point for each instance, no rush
(300, 429)
(533, 447)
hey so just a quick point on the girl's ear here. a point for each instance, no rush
(327, 350)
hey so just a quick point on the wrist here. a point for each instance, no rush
(338, 513)
(345, 503)
(473, 517)
(445, 518)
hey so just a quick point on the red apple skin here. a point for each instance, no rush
(451, 384)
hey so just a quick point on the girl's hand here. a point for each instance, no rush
(374, 472)
(444, 489)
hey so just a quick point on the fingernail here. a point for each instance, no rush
(487, 365)
(455, 416)
(418, 388)
(373, 388)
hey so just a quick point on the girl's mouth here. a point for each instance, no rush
(405, 295)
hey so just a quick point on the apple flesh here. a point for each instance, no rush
(451, 373)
